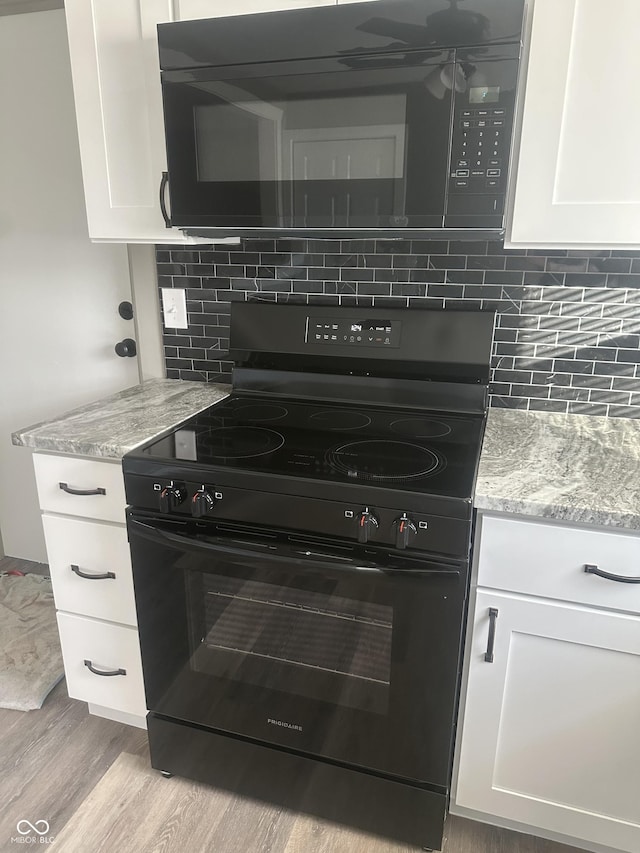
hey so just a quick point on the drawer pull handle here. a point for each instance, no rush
(103, 577)
(594, 570)
(493, 615)
(95, 671)
(70, 491)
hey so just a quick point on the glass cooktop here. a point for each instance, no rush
(407, 449)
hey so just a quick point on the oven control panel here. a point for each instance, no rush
(397, 527)
(335, 331)
(367, 526)
(176, 496)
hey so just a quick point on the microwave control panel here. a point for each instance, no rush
(481, 150)
(481, 139)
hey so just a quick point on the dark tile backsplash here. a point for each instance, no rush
(568, 322)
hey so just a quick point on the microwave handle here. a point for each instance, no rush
(163, 199)
(315, 561)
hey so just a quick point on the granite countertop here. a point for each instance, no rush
(114, 425)
(574, 468)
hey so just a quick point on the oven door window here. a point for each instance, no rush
(312, 646)
(304, 639)
(358, 141)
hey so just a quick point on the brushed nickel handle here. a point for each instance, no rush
(78, 571)
(95, 671)
(590, 569)
(493, 615)
(70, 491)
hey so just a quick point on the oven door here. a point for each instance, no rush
(324, 650)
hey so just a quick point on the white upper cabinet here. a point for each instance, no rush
(190, 9)
(116, 81)
(578, 180)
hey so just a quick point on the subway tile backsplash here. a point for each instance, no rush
(567, 333)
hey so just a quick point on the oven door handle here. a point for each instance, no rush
(305, 558)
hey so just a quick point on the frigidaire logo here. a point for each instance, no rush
(284, 725)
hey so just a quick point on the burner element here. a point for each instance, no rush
(241, 442)
(339, 419)
(384, 460)
(259, 412)
(420, 428)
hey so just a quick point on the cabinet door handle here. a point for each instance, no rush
(493, 615)
(594, 570)
(78, 571)
(70, 491)
(163, 199)
(95, 671)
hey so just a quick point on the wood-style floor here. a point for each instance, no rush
(90, 779)
(12, 564)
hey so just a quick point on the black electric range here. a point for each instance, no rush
(301, 563)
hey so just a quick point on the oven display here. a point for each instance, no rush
(353, 333)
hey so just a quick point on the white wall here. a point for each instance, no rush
(55, 285)
(146, 305)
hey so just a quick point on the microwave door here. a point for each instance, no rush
(268, 119)
(347, 143)
(321, 163)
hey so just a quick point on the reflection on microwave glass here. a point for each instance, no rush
(241, 138)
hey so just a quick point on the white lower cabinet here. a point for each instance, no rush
(549, 739)
(102, 663)
(90, 488)
(90, 566)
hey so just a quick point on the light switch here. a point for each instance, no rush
(174, 308)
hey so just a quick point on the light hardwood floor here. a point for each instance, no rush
(90, 779)
(12, 564)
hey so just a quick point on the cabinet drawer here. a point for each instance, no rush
(94, 550)
(549, 560)
(108, 648)
(80, 475)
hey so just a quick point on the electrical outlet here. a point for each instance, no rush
(174, 308)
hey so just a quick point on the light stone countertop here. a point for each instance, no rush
(573, 468)
(114, 425)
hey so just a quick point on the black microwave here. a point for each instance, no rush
(387, 118)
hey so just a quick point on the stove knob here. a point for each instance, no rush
(367, 524)
(171, 497)
(405, 528)
(202, 503)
